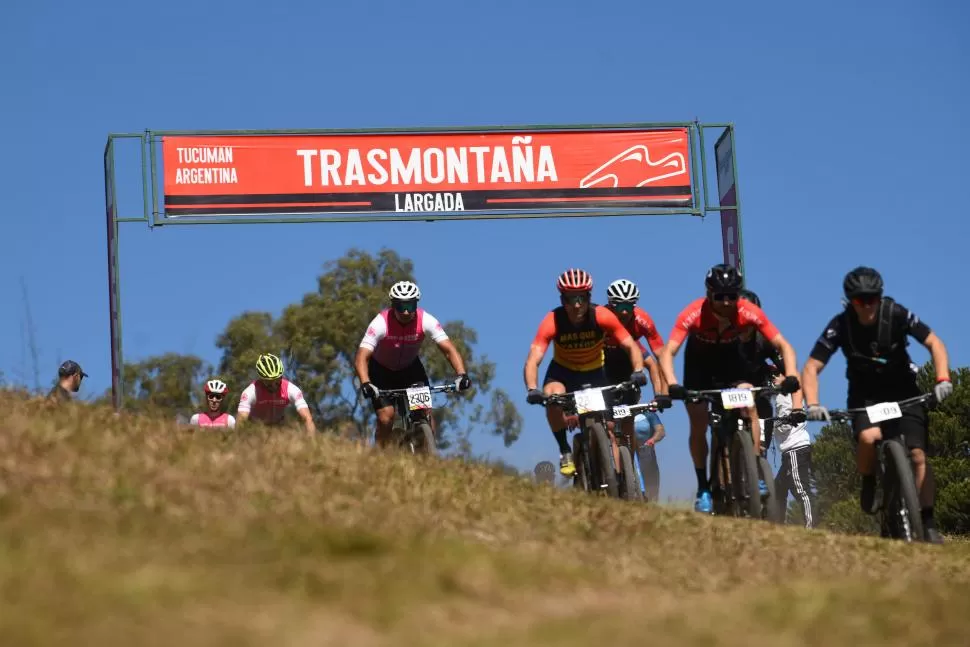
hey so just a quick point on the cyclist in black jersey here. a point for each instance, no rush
(872, 332)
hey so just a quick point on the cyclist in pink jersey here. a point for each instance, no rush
(215, 393)
(267, 398)
(388, 354)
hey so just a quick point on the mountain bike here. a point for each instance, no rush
(596, 469)
(621, 412)
(899, 510)
(734, 467)
(412, 407)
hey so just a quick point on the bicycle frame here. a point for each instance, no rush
(413, 405)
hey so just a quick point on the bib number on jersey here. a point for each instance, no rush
(737, 398)
(589, 401)
(419, 397)
(884, 411)
(621, 411)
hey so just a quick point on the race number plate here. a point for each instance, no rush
(884, 411)
(737, 399)
(590, 401)
(621, 412)
(419, 397)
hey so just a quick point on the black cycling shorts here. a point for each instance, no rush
(913, 426)
(575, 380)
(384, 378)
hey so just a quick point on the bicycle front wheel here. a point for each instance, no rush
(604, 459)
(903, 509)
(744, 472)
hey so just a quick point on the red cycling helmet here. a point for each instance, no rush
(573, 280)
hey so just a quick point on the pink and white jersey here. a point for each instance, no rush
(205, 419)
(396, 345)
(267, 406)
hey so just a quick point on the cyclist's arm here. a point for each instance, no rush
(194, 420)
(612, 326)
(941, 361)
(434, 329)
(246, 399)
(922, 333)
(295, 395)
(231, 422)
(826, 345)
(376, 331)
(545, 334)
(653, 369)
(667, 362)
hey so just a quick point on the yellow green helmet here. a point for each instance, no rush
(269, 366)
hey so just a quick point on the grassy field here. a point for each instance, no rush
(121, 531)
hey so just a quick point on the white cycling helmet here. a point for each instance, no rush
(216, 386)
(622, 291)
(405, 291)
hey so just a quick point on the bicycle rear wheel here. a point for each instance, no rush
(903, 509)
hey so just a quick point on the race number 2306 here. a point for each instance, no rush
(419, 398)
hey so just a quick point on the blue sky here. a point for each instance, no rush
(852, 143)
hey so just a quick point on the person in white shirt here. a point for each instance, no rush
(795, 475)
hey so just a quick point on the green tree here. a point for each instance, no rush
(317, 340)
(833, 457)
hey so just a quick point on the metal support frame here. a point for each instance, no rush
(155, 217)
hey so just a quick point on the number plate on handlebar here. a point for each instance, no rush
(589, 401)
(419, 397)
(884, 411)
(622, 411)
(737, 398)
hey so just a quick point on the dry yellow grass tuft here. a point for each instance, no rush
(126, 530)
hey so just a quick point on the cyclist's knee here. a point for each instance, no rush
(385, 416)
(918, 456)
(870, 436)
(554, 387)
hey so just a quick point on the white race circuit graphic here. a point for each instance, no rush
(629, 168)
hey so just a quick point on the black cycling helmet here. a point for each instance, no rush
(723, 278)
(862, 281)
(750, 296)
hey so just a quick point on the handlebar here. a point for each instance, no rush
(713, 395)
(436, 388)
(568, 398)
(845, 415)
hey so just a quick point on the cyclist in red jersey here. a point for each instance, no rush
(578, 330)
(622, 296)
(713, 326)
(215, 392)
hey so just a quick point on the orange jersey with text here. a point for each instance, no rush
(579, 347)
(698, 321)
(640, 325)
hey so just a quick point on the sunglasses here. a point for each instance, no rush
(725, 296)
(623, 307)
(866, 300)
(406, 306)
(214, 396)
(573, 299)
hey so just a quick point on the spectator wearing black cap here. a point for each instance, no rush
(69, 381)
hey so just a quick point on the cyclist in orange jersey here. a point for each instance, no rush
(578, 330)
